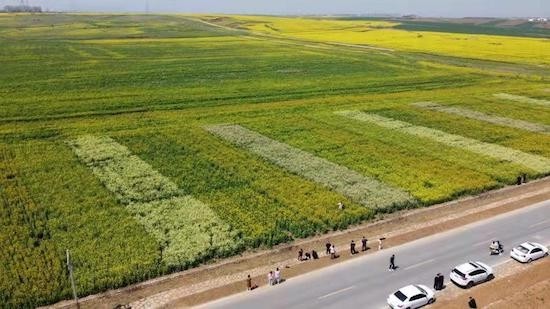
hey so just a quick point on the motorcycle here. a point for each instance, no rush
(496, 248)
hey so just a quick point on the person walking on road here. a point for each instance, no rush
(363, 244)
(392, 262)
(300, 254)
(328, 245)
(472, 303)
(380, 247)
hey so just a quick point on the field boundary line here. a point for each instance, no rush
(522, 99)
(362, 189)
(536, 163)
(472, 114)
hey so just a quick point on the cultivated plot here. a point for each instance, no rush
(31, 270)
(365, 190)
(468, 113)
(537, 163)
(185, 228)
(522, 99)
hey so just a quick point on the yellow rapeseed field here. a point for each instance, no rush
(381, 34)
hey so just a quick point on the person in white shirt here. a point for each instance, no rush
(270, 278)
(277, 276)
(332, 252)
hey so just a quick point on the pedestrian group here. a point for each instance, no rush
(274, 277)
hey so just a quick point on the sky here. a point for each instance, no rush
(431, 8)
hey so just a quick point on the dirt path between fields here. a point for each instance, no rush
(226, 277)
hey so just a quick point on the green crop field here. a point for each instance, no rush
(151, 144)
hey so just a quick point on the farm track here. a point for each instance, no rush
(217, 280)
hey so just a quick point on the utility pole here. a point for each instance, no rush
(70, 268)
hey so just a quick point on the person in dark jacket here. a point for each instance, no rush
(328, 245)
(314, 254)
(249, 285)
(438, 282)
(472, 303)
(392, 262)
(363, 244)
(352, 248)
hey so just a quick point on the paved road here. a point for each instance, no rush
(365, 282)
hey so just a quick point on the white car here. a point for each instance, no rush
(411, 296)
(528, 251)
(471, 273)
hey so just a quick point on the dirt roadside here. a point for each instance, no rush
(515, 286)
(226, 277)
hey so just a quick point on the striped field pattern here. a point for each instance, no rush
(534, 162)
(361, 189)
(522, 99)
(468, 113)
(184, 227)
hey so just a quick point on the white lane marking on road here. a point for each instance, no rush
(337, 292)
(419, 264)
(486, 242)
(503, 262)
(540, 223)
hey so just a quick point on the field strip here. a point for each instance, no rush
(185, 227)
(522, 99)
(127, 176)
(537, 163)
(468, 113)
(364, 190)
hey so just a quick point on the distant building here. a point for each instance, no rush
(538, 20)
(22, 8)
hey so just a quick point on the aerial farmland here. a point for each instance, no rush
(152, 144)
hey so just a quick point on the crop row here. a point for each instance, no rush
(468, 113)
(364, 190)
(267, 204)
(537, 163)
(31, 270)
(131, 179)
(420, 166)
(187, 230)
(522, 99)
